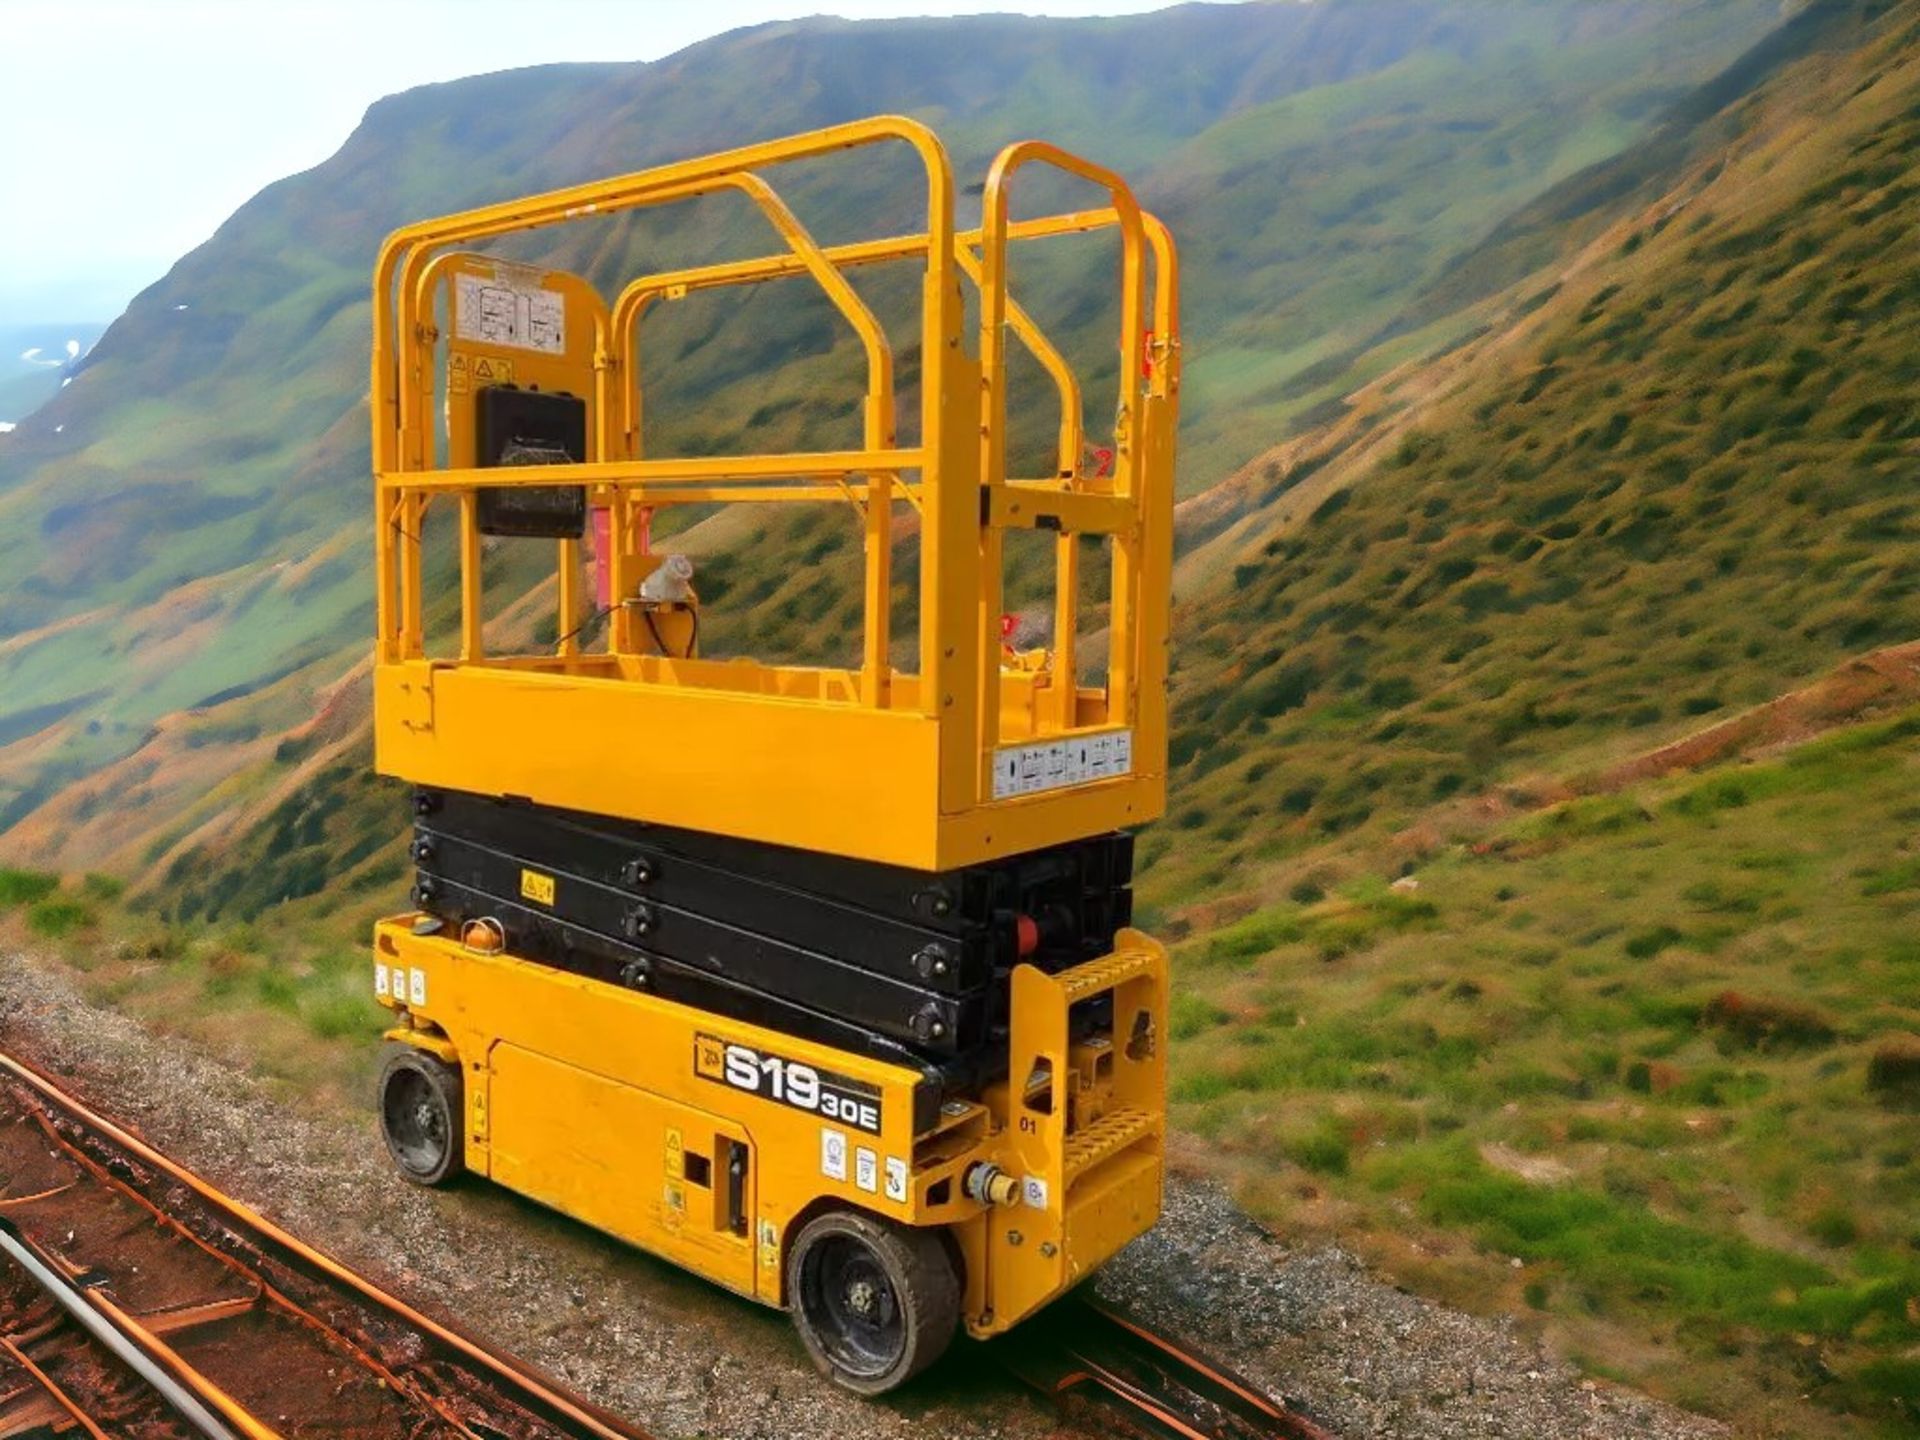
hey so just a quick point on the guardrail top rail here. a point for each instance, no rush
(976, 751)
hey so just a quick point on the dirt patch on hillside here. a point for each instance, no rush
(1869, 685)
(1865, 685)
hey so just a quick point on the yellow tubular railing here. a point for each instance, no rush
(1123, 664)
(401, 437)
(878, 427)
(955, 476)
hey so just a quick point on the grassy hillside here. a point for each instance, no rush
(186, 524)
(1643, 1068)
(1672, 478)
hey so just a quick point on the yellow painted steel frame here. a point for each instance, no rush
(628, 1112)
(968, 759)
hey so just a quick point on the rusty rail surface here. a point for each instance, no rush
(136, 1299)
(1098, 1362)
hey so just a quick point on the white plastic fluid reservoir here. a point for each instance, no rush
(669, 583)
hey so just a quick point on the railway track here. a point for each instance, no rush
(1102, 1366)
(135, 1300)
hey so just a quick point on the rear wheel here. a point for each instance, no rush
(421, 1106)
(874, 1302)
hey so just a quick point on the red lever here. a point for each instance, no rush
(1026, 932)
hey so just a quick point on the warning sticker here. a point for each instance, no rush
(536, 887)
(466, 372)
(510, 308)
(896, 1178)
(866, 1169)
(1026, 769)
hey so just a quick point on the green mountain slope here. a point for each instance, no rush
(1671, 479)
(193, 528)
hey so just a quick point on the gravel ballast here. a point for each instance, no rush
(684, 1358)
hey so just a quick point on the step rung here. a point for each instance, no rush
(1094, 976)
(1104, 1138)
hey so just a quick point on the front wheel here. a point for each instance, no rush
(874, 1302)
(420, 1111)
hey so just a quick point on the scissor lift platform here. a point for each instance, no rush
(973, 752)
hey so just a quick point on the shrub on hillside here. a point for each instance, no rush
(104, 888)
(1758, 1022)
(57, 916)
(1649, 943)
(1894, 1071)
(1326, 1151)
(26, 887)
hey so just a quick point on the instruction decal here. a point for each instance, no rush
(1029, 769)
(511, 308)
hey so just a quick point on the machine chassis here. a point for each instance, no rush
(660, 1123)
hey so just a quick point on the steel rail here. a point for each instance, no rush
(1149, 1383)
(50, 1388)
(179, 1398)
(265, 1296)
(519, 1382)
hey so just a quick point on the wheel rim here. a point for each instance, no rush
(418, 1126)
(851, 1306)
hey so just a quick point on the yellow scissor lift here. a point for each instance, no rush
(885, 1187)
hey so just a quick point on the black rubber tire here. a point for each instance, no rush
(422, 1113)
(875, 1302)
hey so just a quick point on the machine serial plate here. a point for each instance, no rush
(1054, 765)
(788, 1082)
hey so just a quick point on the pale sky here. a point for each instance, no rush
(131, 130)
